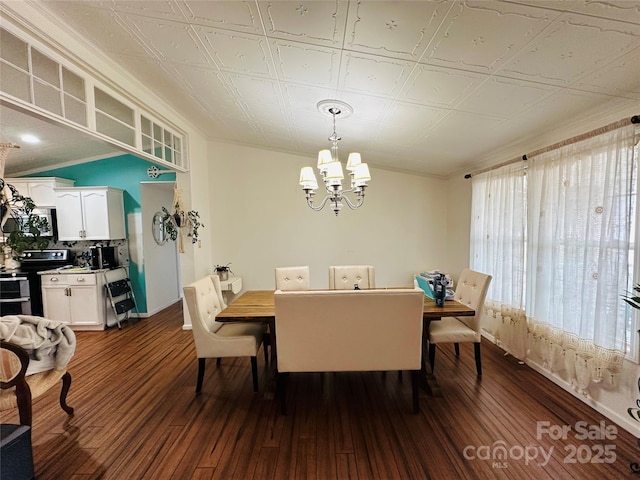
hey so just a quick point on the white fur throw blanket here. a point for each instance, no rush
(50, 344)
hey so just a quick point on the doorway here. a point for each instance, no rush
(161, 262)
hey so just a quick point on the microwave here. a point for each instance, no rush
(19, 222)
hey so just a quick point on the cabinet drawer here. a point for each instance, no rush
(54, 280)
(81, 279)
(69, 279)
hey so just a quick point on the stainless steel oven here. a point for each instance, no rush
(21, 290)
(15, 297)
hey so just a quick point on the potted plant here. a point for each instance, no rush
(170, 226)
(223, 271)
(178, 220)
(179, 216)
(633, 300)
(194, 224)
(29, 227)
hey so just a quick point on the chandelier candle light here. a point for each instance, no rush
(331, 169)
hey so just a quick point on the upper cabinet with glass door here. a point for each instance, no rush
(34, 77)
(160, 142)
(31, 76)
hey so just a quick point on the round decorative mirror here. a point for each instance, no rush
(159, 229)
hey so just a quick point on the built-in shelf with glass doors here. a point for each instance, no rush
(36, 79)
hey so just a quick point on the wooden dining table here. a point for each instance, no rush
(259, 306)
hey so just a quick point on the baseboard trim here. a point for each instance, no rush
(620, 420)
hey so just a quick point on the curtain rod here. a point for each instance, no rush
(598, 131)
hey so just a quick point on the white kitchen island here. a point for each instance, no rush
(76, 296)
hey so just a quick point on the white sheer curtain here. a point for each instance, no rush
(558, 242)
(581, 205)
(497, 247)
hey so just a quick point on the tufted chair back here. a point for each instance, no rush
(218, 288)
(203, 303)
(344, 277)
(293, 278)
(216, 339)
(472, 290)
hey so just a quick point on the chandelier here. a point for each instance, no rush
(331, 169)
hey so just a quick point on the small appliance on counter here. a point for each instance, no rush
(21, 222)
(103, 257)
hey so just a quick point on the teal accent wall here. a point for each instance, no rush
(124, 172)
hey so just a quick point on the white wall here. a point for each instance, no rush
(458, 223)
(161, 269)
(261, 221)
(195, 187)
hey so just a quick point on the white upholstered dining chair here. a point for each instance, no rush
(471, 291)
(293, 278)
(345, 277)
(349, 331)
(216, 339)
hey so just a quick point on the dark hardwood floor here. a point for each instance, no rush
(136, 417)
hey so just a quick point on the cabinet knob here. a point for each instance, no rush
(81, 279)
(53, 279)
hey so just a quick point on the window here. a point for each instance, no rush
(567, 266)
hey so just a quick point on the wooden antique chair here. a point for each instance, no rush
(16, 451)
(19, 390)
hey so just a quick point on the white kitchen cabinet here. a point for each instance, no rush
(90, 213)
(75, 299)
(40, 189)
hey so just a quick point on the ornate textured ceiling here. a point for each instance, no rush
(437, 87)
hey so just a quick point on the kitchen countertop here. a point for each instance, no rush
(72, 270)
